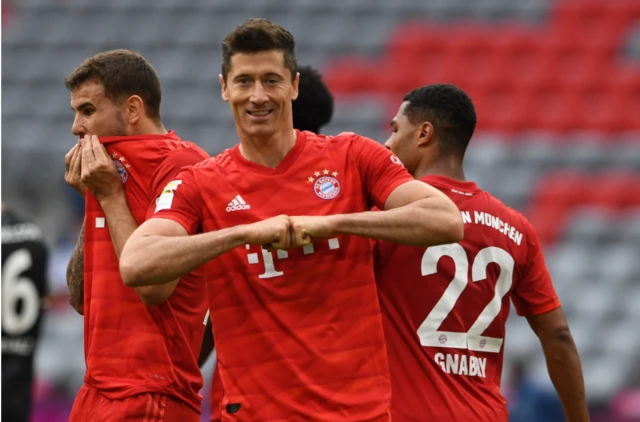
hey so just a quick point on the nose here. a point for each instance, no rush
(388, 144)
(259, 96)
(77, 128)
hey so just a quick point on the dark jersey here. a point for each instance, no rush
(24, 262)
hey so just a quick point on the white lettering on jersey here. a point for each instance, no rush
(454, 363)
(238, 204)
(486, 219)
(269, 264)
(165, 199)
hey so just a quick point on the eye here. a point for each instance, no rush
(88, 112)
(242, 81)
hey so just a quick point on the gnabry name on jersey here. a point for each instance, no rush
(489, 220)
(458, 364)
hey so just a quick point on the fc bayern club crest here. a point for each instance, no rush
(122, 170)
(326, 187)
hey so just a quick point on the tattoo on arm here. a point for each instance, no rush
(75, 275)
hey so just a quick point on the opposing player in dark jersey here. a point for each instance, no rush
(445, 307)
(24, 289)
(311, 111)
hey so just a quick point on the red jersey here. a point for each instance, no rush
(298, 333)
(131, 348)
(445, 309)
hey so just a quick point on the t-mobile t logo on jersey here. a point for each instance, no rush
(269, 266)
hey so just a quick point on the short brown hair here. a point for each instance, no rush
(257, 35)
(122, 73)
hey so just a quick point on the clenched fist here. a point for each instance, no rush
(272, 233)
(305, 229)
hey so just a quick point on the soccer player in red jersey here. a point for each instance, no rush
(445, 307)
(293, 299)
(140, 345)
(311, 110)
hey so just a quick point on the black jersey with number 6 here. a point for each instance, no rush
(24, 263)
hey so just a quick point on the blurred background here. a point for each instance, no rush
(556, 86)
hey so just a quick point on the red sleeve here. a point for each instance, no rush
(181, 201)
(534, 293)
(168, 170)
(381, 171)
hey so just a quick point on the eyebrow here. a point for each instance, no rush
(268, 75)
(82, 106)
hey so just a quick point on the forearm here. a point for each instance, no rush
(120, 220)
(563, 364)
(153, 260)
(75, 275)
(426, 222)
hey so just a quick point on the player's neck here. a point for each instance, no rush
(149, 128)
(450, 167)
(268, 152)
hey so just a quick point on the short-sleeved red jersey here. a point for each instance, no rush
(445, 308)
(298, 333)
(131, 348)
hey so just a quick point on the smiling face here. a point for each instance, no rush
(259, 89)
(95, 113)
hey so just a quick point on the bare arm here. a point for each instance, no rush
(103, 181)
(160, 250)
(415, 214)
(563, 362)
(75, 275)
(121, 226)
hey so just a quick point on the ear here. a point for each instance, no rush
(425, 134)
(135, 109)
(296, 84)
(223, 85)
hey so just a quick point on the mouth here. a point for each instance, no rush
(259, 114)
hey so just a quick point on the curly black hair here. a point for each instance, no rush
(450, 111)
(314, 106)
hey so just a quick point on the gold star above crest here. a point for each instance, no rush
(334, 174)
(127, 165)
(317, 173)
(325, 171)
(310, 179)
(114, 155)
(123, 159)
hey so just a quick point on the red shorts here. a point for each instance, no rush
(91, 406)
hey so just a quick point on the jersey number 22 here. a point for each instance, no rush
(473, 338)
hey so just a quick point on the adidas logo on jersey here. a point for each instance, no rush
(238, 204)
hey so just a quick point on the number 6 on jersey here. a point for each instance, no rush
(473, 338)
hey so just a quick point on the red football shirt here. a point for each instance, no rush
(131, 348)
(298, 333)
(445, 309)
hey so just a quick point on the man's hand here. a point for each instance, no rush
(272, 233)
(98, 172)
(72, 173)
(306, 229)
